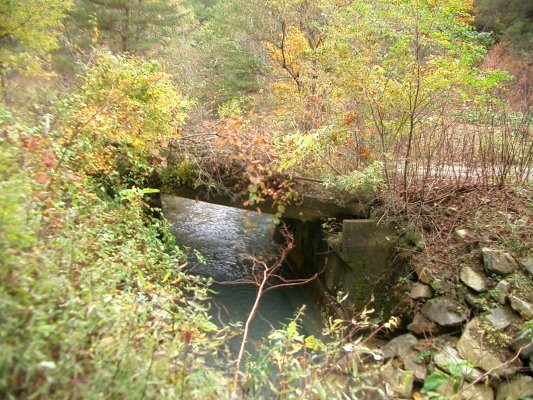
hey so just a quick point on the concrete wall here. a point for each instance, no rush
(361, 267)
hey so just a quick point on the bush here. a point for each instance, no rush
(126, 110)
(93, 302)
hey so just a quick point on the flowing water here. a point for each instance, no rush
(224, 236)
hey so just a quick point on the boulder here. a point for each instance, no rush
(442, 285)
(474, 347)
(399, 346)
(523, 342)
(424, 275)
(474, 302)
(448, 360)
(527, 265)
(501, 317)
(522, 307)
(422, 326)
(476, 392)
(419, 369)
(398, 381)
(420, 291)
(444, 311)
(501, 291)
(498, 262)
(473, 280)
(447, 389)
(519, 388)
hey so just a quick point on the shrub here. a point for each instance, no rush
(126, 110)
(93, 302)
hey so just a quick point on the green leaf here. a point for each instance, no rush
(208, 326)
(292, 329)
(434, 382)
(149, 191)
(312, 343)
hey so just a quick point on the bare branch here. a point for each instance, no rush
(266, 278)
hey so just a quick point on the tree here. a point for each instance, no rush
(265, 277)
(203, 9)
(28, 33)
(129, 26)
(275, 44)
(228, 61)
(395, 72)
(509, 20)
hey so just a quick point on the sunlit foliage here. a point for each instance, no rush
(127, 109)
(28, 34)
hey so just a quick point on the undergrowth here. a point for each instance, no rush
(93, 303)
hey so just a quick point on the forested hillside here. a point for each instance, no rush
(105, 103)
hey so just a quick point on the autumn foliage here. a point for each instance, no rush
(127, 110)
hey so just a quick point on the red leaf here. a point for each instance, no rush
(42, 178)
(49, 160)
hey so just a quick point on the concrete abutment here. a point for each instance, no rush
(359, 267)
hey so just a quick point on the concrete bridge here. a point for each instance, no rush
(356, 265)
(314, 204)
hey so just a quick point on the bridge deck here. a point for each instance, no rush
(311, 207)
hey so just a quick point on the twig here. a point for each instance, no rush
(490, 371)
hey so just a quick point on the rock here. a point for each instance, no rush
(520, 222)
(479, 243)
(474, 302)
(524, 341)
(448, 360)
(398, 381)
(476, 392)
(442, 285)
(422, 326)
(473, 347)
(420, 291)
(443, 311)
(446, 389)
(501, 317)
(501, 291)
(419, 370)
(473, 280)
(462, 235)
(399, 346)
(519, 388)
(424, 275)
(498, 262)
(524, 308)
(527, 265)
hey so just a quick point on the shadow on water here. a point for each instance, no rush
(223, 236)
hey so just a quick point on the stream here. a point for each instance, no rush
(217, 239)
